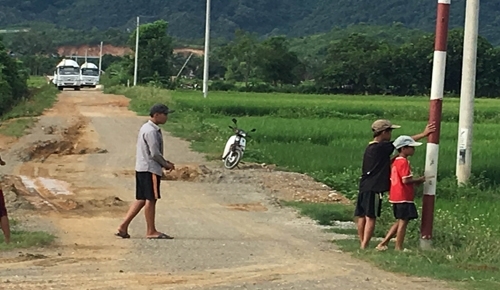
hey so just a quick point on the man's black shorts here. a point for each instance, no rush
(369, 204)
(147, 186)
(405, 211)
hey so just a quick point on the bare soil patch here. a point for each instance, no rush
(257, 206)
(45, 194)
(288, 186)
(69, 142)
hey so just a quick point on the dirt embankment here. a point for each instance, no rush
(94, 50)
(41, 192)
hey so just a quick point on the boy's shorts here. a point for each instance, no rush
(369, 204)
(405, 211)
(3, 210)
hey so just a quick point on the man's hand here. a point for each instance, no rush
(430, 128)
(170, 166)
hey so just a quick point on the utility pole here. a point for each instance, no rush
(207, 44)
(467, 93)
(100, 59)
(136, 51)
(435, 110)
(184, 65)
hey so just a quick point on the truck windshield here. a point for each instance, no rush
(68, 70)
(90, 72)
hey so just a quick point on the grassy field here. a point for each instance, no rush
(324, 136)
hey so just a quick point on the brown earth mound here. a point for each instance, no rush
(69, 143)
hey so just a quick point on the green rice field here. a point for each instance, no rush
(329, 133)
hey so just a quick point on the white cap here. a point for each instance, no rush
(403, 141)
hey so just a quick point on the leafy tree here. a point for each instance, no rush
(277, 63)
(240, 57)
(454, 60)
(117, 73)
(488, 74)
(32, 43)
(155, 52)
(412, 64)
(35, 49)
(13, 80)
(357, 64)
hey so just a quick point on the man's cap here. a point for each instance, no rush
(382, 125)
(160, 109)
(403, 141)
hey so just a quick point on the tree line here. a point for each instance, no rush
(359, 64)
(356, 63)
(13, 80)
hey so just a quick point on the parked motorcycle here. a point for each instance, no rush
(235, 146)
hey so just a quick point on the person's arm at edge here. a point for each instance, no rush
(430, 128)
(404, 170)
(392, 157)
(155, 151)
(411, 180)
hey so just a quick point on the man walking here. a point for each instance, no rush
(148, 172)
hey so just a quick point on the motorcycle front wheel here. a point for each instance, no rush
(233, 158)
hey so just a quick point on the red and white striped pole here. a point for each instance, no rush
(436, 105)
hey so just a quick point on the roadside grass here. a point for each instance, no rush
(26, 239)
(16, 127)
(324, 136)
(36, 82)
(21, 117)
(20, 239)
(141, 98)
(435, 264)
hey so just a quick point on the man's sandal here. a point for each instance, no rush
(122, 235)
(162, 236)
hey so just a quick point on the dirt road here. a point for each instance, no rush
(229, 234)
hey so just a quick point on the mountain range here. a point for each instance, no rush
(266, 17)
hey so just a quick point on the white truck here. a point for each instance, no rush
(89, 75)
(67, 75)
